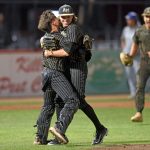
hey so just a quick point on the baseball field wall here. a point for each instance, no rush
(20, 73)
(106, 74)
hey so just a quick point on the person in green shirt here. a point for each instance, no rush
(141, 41)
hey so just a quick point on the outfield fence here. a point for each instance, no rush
(20, 73)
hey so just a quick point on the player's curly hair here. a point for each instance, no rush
(45, 20)
(74, 19)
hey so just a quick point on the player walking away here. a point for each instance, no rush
(141, 40)
(54, 82)
(77, 68)
(126, 42)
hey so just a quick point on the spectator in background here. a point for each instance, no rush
(22, 39)
(126, 41)
(2, 31)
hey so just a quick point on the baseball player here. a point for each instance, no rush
(54, 81)
(77, 67)
(126, 42)
(141, 40)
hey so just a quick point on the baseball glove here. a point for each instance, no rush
(49, 42)
(88, 55)
(87, 41)
(126, 59)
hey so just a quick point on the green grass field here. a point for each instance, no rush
(17, 132)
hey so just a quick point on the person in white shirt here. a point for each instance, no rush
(126, 41)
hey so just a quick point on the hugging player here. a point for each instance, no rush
(76, 67)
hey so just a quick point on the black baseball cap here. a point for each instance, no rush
(66, 10)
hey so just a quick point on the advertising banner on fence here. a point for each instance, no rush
(106, 74)
(20, 74)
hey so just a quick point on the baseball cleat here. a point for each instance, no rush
(58, 135)
(137, 117)
(53, 142)
(99, 136)
(37, 141)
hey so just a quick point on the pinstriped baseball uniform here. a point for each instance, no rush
(55, 62)
(78, 70)
(54, 81)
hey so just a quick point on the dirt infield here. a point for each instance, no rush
(94, 105)
(124, 147)
(35, 103)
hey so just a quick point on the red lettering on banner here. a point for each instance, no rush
(36, 84)
(7, 84)
(28, 64)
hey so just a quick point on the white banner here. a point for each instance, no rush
(20, 73)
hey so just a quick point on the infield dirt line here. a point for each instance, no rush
(25, 103)
(88, 97)
(95, 105)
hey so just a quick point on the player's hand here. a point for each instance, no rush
(148, 54)
(126, 59)
(47, 53)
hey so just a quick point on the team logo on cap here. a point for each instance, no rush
(65, 10)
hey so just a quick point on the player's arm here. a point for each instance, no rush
(66, 50)
(49, 44)
(68, 44)
(135, 44)
(122, 44)
(148, 54)
(122, 39)
(134, 49)
(57, 53)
